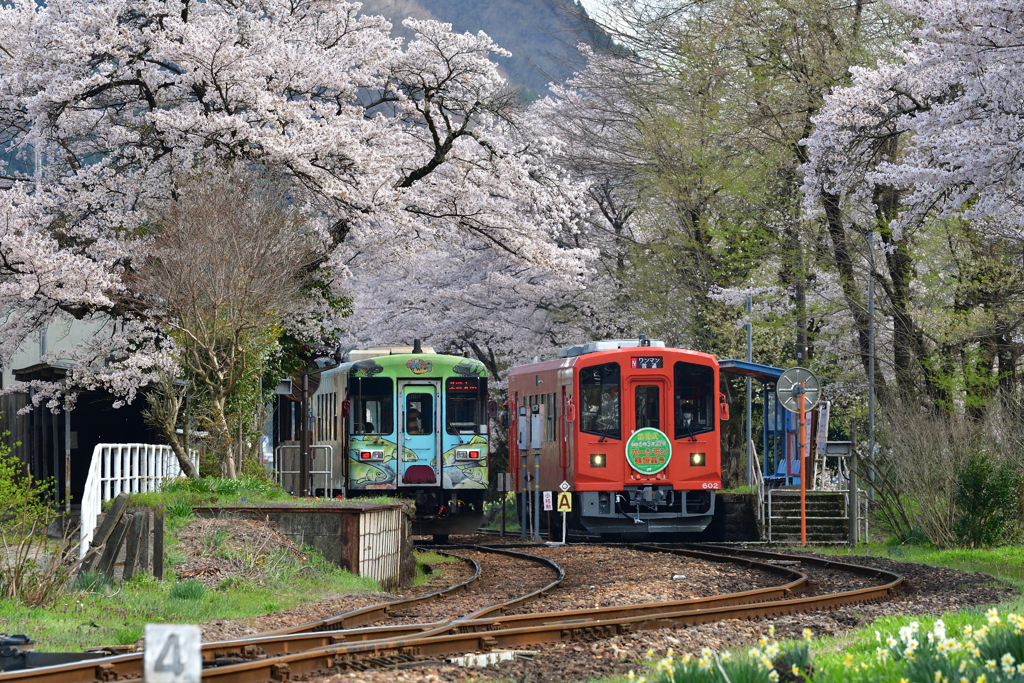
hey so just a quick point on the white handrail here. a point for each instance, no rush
(124, 467)
(758, 485)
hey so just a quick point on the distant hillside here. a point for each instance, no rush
(541, 34)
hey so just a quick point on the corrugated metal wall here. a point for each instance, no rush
(380, 545)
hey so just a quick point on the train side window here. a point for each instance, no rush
(372, 405)
(647, 404)
(465, 406)
(694, 399)
(599, 400)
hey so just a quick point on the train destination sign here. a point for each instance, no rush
(648, 451)
(647, 363)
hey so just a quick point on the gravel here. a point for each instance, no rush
(927, 590)
(443, 574)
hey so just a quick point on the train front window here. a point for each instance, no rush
(694, 399)
(373, 403)
(465, 409)
(647, 404)
(419, 414)
(599, 400)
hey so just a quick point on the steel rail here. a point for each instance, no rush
(296, 638)
(371, 613)
(361, 648)
(555, 629)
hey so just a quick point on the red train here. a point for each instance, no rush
(632, 426)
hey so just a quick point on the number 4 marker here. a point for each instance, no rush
(173, 654)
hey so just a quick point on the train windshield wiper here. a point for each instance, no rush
(689, 429)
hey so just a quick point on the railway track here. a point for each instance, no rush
(322, 646)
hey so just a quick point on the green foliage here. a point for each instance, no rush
(188, 590)
(33, 569)
(988, 499)
(21, 494)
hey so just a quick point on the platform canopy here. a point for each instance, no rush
(764, 373)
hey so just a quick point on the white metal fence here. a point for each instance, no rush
(124, 467)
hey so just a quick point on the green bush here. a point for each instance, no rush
(988, 500)
(33, 570)
(188, 590)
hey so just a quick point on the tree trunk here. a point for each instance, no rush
(187, 467)
(844, 265)
(222, 436)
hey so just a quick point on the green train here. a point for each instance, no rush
(412, 425)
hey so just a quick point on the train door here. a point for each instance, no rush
(419, 433)
(649, 400)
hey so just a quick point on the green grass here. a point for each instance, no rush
(180, 496)
(114, 615)
(737, 489)
(1006, 563)
(425, 560)
(853, 657)
(177, 494)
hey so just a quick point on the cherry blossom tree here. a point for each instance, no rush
(941, 123)
(925, 148)
(386, 143)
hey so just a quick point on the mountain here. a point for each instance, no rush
(541, 34)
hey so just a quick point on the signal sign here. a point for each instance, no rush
(564, 502)
(547, 500)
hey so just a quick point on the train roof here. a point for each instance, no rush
(607, 345)
(375, 351)
(423, 365)
(612, 348)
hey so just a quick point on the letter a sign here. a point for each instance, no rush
(564, 502)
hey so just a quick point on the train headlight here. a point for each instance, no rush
(697, 460)
(598, 460)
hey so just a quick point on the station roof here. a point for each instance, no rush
(764, 373)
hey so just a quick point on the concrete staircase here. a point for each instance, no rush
(827, 521)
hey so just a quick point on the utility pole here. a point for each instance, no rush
(871, 365)
(304, 436)
(750, 359)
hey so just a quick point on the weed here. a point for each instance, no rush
(173, 557)
(93, 580)
(188, 590)
(179, 513)
(215, 541)
(127, 635)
